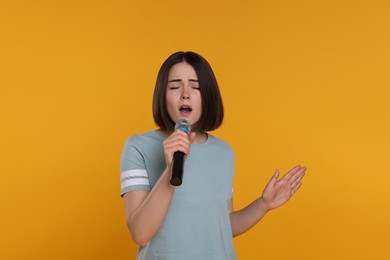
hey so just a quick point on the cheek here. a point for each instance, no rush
(168, 100)
(199, 101)
(170, 105)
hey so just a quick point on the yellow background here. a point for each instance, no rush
(303, 82)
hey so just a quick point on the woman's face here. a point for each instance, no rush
(183, 96)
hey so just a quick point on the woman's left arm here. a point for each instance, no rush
(276, 193)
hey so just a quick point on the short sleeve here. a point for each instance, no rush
(133, 174)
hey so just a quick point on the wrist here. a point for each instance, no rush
(263, 205)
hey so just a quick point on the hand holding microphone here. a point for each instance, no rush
(178, 157)
(176, 147)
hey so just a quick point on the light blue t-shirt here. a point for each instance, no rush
(197, 225)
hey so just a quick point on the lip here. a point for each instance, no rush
(185, 112)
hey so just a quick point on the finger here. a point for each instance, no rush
(272, 182)
(291, 172)
(303, 175)
(298, 179)
(180, 141)
(192, 137)
(173, 144)
(296, 188)
(178, 147)
(298, 175)
(275, 177)
(177, 135)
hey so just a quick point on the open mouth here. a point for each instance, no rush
(185, 109)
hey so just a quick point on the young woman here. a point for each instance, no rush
(195, 220)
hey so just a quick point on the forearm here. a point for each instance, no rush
(146, 220)
(242, 220)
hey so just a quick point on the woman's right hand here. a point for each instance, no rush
(177, 141)
(146, 210)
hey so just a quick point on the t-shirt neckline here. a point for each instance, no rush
(209, 136)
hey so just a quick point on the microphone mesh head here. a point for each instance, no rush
(184, 125)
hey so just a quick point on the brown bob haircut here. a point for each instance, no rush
(212, 107)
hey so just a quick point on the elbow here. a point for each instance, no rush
(139, 240)
(234, 225)
(235, 233)
(138, 236)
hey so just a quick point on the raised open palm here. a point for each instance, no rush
(278, 192)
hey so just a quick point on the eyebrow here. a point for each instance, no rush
(179, 80)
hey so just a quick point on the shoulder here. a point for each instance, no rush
(219, 143)
(150, 137)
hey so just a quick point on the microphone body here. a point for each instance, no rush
(178, 157)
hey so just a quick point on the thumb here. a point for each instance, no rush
(192, 137)
(275, 176)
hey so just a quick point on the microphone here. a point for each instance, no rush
(178, 157)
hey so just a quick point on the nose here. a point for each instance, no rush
(185, 93)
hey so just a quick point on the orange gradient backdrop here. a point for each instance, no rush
(303, 82)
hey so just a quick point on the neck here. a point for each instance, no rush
(200, 138)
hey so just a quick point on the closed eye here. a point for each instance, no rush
(177, 87)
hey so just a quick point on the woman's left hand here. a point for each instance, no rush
(278, 192)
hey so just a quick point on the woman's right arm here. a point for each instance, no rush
(146, 210)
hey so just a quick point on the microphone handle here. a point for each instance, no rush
(177, 169)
